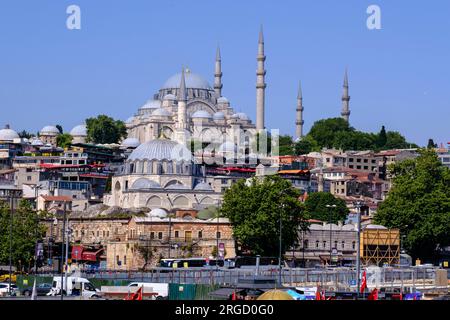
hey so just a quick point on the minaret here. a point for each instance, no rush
(218, 75)
(260, 84)
(182, 98)
(345, 100)
(299, 116)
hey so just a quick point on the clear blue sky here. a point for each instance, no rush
(399, 76)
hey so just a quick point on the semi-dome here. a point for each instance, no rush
(160, 149)
(170, 97)
(8, 134)
(201, 114)
(219, 115)
(152, 104)
(227, 146)
(158, 213)
(49, 130)
(130, 143)
(222, 100)
(79, 131)
(143, 183)
(160, 112)
(193, 81)
(203, 186)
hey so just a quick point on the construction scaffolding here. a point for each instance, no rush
(379, 246)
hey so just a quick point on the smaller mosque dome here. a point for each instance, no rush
(49, 131)
(160, 112)
(152, 104)
(37, 143)
(170, 97)
(219, 116)
(8, 134)
(227, 146)
(79, 131)
(222, 100)
(201, 114)
(130, 143)
(157, 213)
(144, 183)
(203, 186)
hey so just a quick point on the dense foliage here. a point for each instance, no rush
(254, 209)
(105, 130)
(337, 134)
(419, 204)
(316, 203)
(26, 230)
(64, 140)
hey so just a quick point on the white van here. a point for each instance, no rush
(76, 286)
(162, 289)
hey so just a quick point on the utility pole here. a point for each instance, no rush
(358, 204)
(10, 238)
(62, 252)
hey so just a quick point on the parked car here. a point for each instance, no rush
(41, 289)
(4, 289)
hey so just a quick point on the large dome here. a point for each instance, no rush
(8, 135)
(160, 149)
(79, 131)
(193, 81)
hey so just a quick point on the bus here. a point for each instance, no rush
(250, 262)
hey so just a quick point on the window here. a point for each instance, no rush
(324, 244)
(28, 178)
(107, 233)
(98, 233)
(160, 234)
(328, 159)
(350, 166)
(353, 245)
(126, 185)
(125, 260)
(343, 245)
(317, 244)
(177, 234)
(218, 235)
(117, 260)
(305, 244)
(350, 160)
(366, 168)
(152, 235)
(358, 167)
(335, 244)
(366, 160)
(200, 234)
(358, 160)
(104, 233)
(374, 161)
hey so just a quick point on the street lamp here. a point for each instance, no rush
(331, 207)
(13, 194)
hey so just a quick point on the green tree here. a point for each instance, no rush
(285, 145)
(104, 129)
(26, 232)
(431, 144)
(25, 134)
(324, 131)
(419, 204)
(254, 209)
(306, 145)
(316, 208)
(64, 140)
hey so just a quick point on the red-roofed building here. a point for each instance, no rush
(53, 203)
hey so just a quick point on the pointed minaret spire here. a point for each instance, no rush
(299, 115)
(345, 99)
(182, 92)
(218, 75)
(260, 83)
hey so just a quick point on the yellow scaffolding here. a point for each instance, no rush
(380, 246)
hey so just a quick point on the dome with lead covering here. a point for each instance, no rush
(144, 183)
(152, 104)
(79, 131)
(222, 100)
(130, 143)
(8, 134)
(241, 115)
(193, 81)
(157, 213)
(49, 131)
(161, 113)
(201, 114)
(219, 116)
(161, 149)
